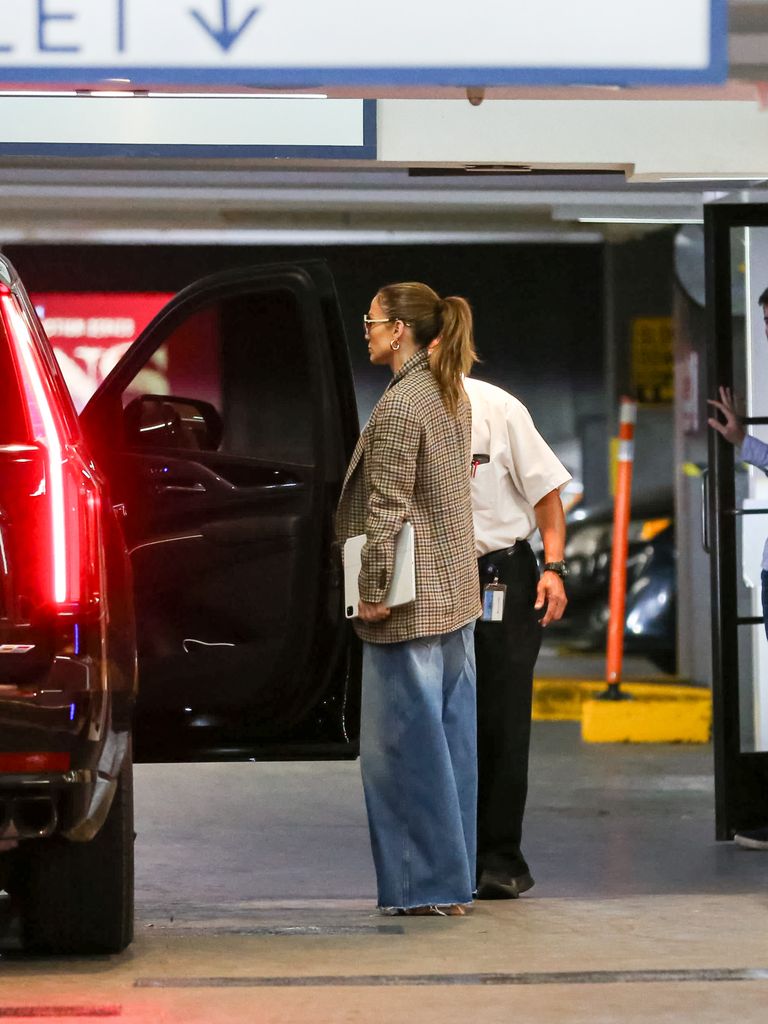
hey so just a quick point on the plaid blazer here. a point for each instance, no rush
(412, 462)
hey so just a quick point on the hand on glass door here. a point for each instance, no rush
(730, 427)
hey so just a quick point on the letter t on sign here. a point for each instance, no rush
(44, 15)
(121, 26)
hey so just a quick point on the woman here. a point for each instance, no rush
(418, 733)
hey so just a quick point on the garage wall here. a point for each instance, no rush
(639, 284)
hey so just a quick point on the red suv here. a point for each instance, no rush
(183, 526)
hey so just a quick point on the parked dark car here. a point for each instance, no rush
(651, 579)
(198, 521)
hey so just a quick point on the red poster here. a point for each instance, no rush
(90, 332)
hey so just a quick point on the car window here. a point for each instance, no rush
(245, 356)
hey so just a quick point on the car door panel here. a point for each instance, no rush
(242, 641)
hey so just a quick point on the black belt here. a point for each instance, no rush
(502, 552)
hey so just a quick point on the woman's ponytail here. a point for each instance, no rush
(455, 354)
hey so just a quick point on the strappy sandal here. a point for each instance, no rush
(433, 910)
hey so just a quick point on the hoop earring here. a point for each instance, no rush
(394, 345)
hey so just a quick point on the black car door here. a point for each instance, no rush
(224, 434)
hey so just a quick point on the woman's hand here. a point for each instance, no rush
(731, 430)
(372, 612)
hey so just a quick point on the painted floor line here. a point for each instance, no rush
(528, 978)
(57, 1012)
(234, 927)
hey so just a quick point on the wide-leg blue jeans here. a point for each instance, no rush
(418, 756)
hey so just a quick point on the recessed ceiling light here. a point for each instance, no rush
(111, 93)
(702, 179)
(640, 220)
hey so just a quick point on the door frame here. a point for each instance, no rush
(741, 778)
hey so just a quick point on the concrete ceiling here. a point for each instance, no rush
(64, 203)
(416, 200)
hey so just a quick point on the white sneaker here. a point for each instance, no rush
(752, 839)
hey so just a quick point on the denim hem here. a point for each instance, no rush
(430, 903)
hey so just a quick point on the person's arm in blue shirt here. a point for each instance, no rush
(754, 452)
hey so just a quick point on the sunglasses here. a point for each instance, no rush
(369, 320)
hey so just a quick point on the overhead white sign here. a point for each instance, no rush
(188, 126)
(308, 42)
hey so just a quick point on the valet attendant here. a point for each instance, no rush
(515, 490)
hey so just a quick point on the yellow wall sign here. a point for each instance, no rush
(653, 368)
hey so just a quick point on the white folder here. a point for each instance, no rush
(402, 589)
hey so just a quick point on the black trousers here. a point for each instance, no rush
(506, 653)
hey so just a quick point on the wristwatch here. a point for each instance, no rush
(559, 567)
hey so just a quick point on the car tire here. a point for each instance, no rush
(78, 897)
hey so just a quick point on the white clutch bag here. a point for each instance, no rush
(402, 589)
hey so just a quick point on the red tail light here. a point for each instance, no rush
(18, 764)
(71, 571)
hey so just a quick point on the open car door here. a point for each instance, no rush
(224, 433)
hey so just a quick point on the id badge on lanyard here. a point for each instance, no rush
(494, 596)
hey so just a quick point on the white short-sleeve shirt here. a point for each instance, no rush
(520, 471)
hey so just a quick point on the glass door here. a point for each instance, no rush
(737, 514)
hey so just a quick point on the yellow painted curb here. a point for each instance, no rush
(647, 720)
(656, 712)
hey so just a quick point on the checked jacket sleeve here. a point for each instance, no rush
(392, 452)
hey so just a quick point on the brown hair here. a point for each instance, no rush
(430, 318)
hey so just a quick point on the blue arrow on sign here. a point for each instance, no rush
(225, 35)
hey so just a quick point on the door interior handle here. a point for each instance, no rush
(196, 488)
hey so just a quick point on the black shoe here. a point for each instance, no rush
(495, 886)
(753, 839)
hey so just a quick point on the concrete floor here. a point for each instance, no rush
(255, 897)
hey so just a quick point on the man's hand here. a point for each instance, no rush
(372, 612)
(731, 430)
(551, 590)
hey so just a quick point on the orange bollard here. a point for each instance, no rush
(621, 513)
